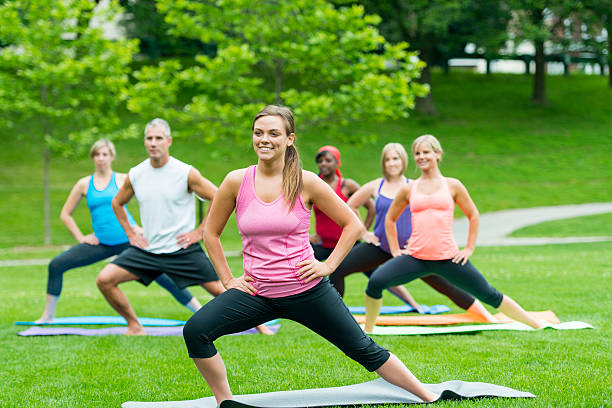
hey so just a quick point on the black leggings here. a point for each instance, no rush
(367, 257)
(85, 254)
(321, 253)
(319, 308)
(406, 268)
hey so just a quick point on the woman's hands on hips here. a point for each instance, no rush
(311, 269)
(462, 256)
(370, 238)
(242, 283)
(89, 239)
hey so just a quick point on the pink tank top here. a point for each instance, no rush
(273, 241)
(432, 224)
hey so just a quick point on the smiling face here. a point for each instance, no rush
(102, 158)
(393, 163)
(327, 164)
(270, 139)
(425, 157)
(157, 144)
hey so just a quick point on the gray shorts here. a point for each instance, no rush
(187, 267)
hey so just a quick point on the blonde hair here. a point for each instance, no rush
(100, 144)
(292, 170)
(431, 141)
(395, 147)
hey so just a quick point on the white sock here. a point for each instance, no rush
(193, 305)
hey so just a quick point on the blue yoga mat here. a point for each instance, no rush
(151, 331)
(386, 310)
(114, 320)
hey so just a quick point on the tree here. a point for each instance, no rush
(599, 15)
(59, 77)
(538, 21)
(141, 20)
(329, 64)
(424, 25)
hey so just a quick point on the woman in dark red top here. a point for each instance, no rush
(327, 231)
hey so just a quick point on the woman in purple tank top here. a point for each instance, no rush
(281, 279)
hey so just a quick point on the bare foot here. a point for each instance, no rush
(44, 319)
(542, 324)
(263, 329)
(135, 331)
(431, 397)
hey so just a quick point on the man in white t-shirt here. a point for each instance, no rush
(164, 188)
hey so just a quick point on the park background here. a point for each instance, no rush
(515, 140)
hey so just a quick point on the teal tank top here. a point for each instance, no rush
(103, 221)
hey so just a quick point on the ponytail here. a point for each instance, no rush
(292, 176)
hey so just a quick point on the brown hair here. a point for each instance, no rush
(292, 170)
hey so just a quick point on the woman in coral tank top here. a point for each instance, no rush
(432, 248)
(281, 279)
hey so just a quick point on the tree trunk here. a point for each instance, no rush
(425, 106)
(609, 30)
(46, 197)
(539, 78)
(278, 83)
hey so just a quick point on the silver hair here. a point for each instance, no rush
(159, 122)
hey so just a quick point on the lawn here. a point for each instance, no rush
(588, 226)
(571, 368)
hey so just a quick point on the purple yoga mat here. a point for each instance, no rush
(151, 331)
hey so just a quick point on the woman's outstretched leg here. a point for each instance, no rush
(396, 373)
(213, 371)
(514, 311)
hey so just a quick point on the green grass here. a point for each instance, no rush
(570, 368)
(509, 153)
(588, 226)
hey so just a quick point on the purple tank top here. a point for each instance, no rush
(273, 240)
(403, 224)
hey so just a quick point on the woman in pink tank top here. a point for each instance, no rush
(281, 279)
(432, 248)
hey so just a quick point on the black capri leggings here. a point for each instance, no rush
(85, 254)
(320, 309)
(366, 257)
(406, 268)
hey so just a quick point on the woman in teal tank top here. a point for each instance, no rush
(108, 238)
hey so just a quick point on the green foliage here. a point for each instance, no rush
(537, 20)
(329, 64)
(60, 79)
(141, 20)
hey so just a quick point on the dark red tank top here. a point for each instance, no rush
(326, 228)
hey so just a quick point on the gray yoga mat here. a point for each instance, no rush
(421, 330)
(151, 331)
(369, 393)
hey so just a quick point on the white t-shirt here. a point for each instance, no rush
(167, 208)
